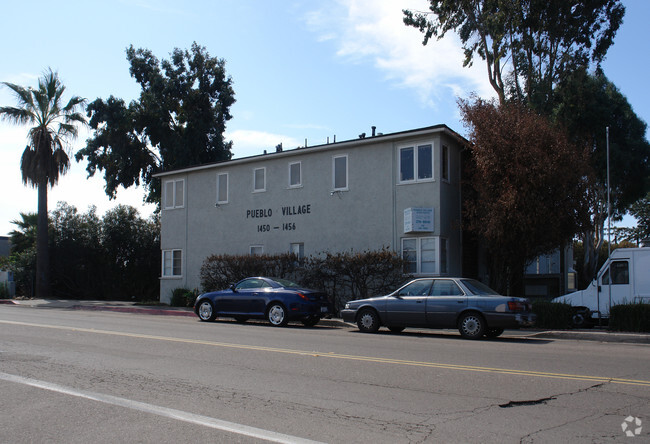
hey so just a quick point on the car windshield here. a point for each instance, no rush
(478, 288)
(286, 283)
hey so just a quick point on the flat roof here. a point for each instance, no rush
(327, 146)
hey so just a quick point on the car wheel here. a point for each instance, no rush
(241, 319)
(493, 332)
(471, 326)
(310, 321)
(368, 321)
(206, 311)
(277, 315)
(396, 329)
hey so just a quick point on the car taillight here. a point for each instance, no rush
(516, 306)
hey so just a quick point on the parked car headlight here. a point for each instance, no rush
(347, 305)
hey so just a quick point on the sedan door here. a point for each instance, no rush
(444, 303)
(249, 296)
(407, 306)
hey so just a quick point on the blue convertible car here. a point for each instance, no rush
(277, 300)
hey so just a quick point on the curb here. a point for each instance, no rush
(139, 310)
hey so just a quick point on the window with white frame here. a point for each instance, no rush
(172, 263)
(298, 248)
(222, 188)
(444, 163)
(174, 194)
(340, 172)
(425, 255)
(295, 175)
(256, 250)
(416, 163)
(259, 179)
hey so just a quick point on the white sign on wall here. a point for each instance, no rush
(418, 220)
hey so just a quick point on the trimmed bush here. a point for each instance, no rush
(555, 315)
(182, 297)
(633, 317)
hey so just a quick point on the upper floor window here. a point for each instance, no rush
(416, 163)
(444, 163)
(174, 194)
(340, 172)
(295, 175)
(222, 188)
(259, 179)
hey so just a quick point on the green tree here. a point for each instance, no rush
(528, 45)
(641, 211)
(178, 121)
(588, 104)
(527, 187)
(24, 236)
(45, 159)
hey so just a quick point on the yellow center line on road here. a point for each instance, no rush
(469, 368)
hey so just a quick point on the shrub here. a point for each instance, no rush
(552, 314)
(630, 317)
(182, 297)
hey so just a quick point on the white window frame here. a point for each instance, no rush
(220, 202)
(176, 197)
(259, 190)
(347, 178)
(168, 272)
(297, 248)
(299, 183)
(415, 147)
(254, 247)
(438, 259)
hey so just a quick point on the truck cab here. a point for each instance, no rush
(623, 278)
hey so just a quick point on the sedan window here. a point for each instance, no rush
(446, 287)
(478, 288)
(416, 288)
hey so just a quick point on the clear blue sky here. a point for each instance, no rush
(302, 69)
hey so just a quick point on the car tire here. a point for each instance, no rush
(368, 321)
(471, 326)
(277, 315)
(241, 319)
(493, 332)
(580, 318)
(310, 321)
(206, 311)
(395, 329)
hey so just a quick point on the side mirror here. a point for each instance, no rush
(232, 287)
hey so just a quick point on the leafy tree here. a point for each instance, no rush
(45, 158)
(542, 41)
(588, 104)
(24, 236)
(178, 121)
(641, 211)
(527, 187)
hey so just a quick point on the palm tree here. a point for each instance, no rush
(45, 158)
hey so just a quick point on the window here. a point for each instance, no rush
(295, 177)
(340, 173)
(172, 263)
(416, 163)
(257, 250)
(446, 287)
(222, 188)
(251, 284)
(174, 194)
(444, 163)
(417, 288)
(259, 180)
(620, 273)
(298, 249)
(425, 255)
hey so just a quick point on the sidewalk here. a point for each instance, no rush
(131, 307)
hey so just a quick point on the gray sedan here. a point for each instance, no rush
(467, 304)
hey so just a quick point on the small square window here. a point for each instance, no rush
(174, 194)
(295, 174)
(172, 263)
(256, 250)
(416, 163)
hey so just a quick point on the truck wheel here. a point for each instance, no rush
(580, 318)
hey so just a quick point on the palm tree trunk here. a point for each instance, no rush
(42, 247)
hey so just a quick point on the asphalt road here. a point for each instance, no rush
(84, 376)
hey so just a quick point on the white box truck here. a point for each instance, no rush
(630, 283)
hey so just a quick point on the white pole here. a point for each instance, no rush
(609, 225)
